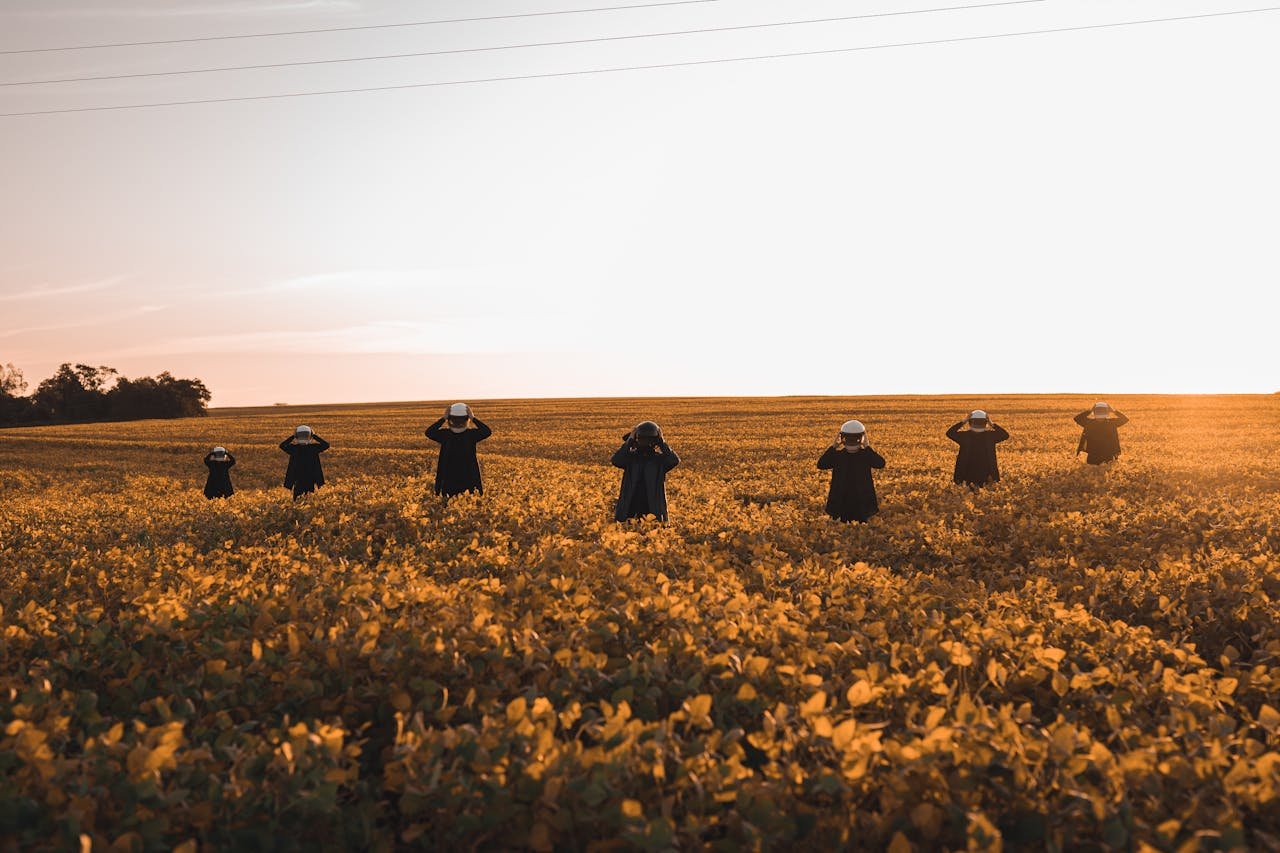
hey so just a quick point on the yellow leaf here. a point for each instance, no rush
(632, 808)
(113, 735)
(1053, 655)
(746, 693)
(1269, 718)
(899, 844)
(700, 705)
(1060, 684)
(188, 846)
(516, 709)
(958, 652)
(994, 675)
(860, 693)
(843, 734)
(814, 704)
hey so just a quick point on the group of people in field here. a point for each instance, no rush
(457, 471)
(645, 459)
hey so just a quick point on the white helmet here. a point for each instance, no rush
(1101, 410)
(303, 431)
(978, 415)
(219, 451)
(458, 410)
(852, 428)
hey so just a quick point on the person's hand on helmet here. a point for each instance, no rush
(645, 434)
(852, 436)
(457, 416)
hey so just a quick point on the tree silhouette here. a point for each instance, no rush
(82, 393)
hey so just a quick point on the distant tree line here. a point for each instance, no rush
(81, 393)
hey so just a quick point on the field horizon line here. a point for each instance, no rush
(951, 395)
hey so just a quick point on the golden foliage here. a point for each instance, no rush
(1073, 658)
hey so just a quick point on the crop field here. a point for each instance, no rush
(1075, 658)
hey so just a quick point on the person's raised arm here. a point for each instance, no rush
(827, 460)
(1121, 420)
(1002, 434)
(875, 460)
(482, 429)
(1082, 418)
(231, 460)
(622, 455)
(435, 432)
(669, 457)
(321, 444)
(208, 460)
(286, 444)
(954, 432)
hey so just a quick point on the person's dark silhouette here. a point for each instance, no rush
(457, 469)
(1101, 437)
(645, 458)
(304, 474)
(850, 459)
(218, 484)
(976, 459)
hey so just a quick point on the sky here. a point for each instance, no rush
(1089, 211)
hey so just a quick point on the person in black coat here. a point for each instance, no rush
(304, 474)
(1100, 439)
(850, 459)
(645, 458)
(976, 459)
(458, 470)
(219, 462)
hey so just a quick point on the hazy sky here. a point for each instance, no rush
(1081, 211)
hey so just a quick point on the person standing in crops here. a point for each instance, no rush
(850, 459)
(1101, 437)
(304, 474)
(976, 464)
(645, 458)
(218, 484)
(457, 469)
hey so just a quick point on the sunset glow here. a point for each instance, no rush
(998, 216)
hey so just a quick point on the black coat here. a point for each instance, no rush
(1101, 438)
(644, 481)
(853, 491)
(304, 473)
(218, 485)
(976, 460)
(458, 470)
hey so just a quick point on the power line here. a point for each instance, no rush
(419, 54)
(358, 27)
(691, 63)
